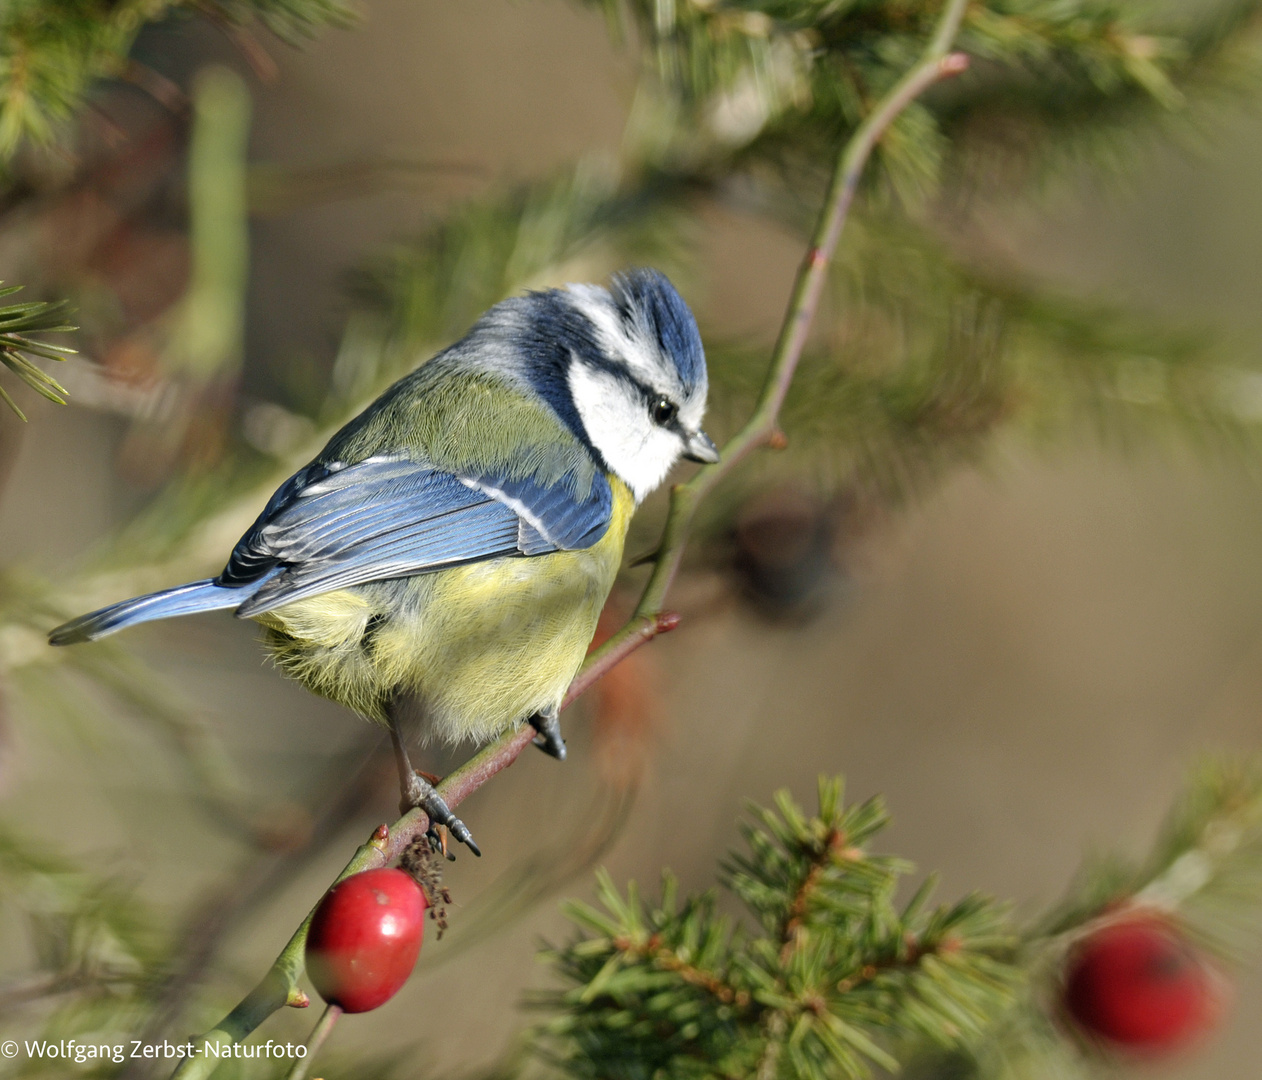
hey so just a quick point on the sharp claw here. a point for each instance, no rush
(549, 739)
(438, 838)
(440, 814)
(552, 747)
(457, 828)
(464, 836)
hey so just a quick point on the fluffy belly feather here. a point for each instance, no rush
(481, 646)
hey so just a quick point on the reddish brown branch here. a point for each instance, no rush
(795, 919)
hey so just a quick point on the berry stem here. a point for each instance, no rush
(318, 1034)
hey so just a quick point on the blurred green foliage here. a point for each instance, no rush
(924, 356)
(51, 50)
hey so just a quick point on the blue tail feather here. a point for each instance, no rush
(182, 600)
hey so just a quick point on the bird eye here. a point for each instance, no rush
(663, 411)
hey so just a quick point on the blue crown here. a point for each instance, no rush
(648, 298)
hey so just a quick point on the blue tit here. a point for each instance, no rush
(455, 542)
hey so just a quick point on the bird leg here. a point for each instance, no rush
(416, 791)
(549, 740)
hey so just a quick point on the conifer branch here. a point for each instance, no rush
(17, 322)
(863, 978)
(279, 986)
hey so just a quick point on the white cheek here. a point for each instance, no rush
(637, 450)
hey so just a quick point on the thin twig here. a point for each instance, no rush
(261, 62)
(762, 428)
(53, 984)
(318, 1034)
(262, 874)
(667, 959)
(165, 92)
(280, 985)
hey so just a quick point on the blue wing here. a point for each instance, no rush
(332, 526)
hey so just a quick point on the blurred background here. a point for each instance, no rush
(1008, 573)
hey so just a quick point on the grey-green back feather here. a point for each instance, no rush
(464, 420)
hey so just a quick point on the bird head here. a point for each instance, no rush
(640, 389)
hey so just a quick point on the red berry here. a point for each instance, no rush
(1137, 983)
(364, 939)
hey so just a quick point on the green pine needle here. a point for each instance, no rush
(16, 322)
(831, 981)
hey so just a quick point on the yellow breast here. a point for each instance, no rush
(481, 646)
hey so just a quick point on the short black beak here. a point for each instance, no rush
(700, 447)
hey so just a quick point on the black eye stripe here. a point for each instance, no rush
(649, 395)
(647, 392)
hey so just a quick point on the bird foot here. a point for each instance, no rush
(549, 738)
(420, 793)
